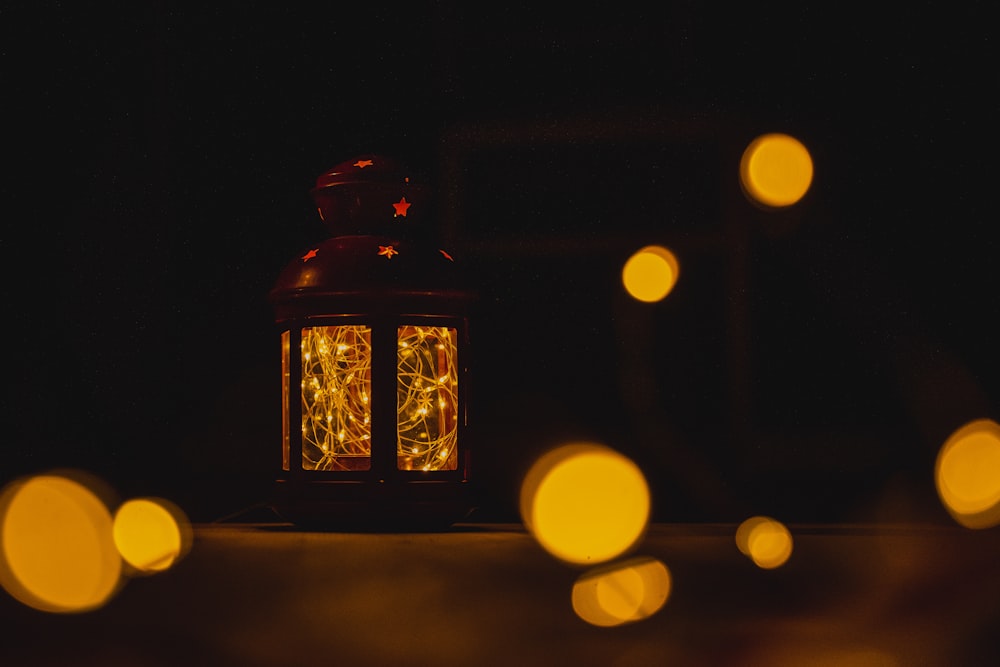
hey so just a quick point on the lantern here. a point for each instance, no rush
(374, 332)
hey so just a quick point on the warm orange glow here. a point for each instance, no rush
(743, 533)
(767, 542)
(776, 170)
(967, 474)
(56, 551)
(650, 274)
(151, 534)
(585, 503)
(774, 653)
(427, 398)
(624, 593)
(336, 389)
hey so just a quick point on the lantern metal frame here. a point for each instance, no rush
(347, 280)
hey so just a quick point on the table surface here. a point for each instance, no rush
(265, 594)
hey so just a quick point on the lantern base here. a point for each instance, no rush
(372, 506)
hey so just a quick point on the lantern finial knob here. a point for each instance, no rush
(370, 194)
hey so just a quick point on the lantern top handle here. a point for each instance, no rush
(370, 194)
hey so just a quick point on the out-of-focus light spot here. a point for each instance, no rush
(776, 170)
(151, 534)
(56, 551)
(743, 533)
(650, 274)
(585, 503)
(967, 473)
(622, 593)
(767, 542)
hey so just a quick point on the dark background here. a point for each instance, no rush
(809, 363)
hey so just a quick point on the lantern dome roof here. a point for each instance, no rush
(370, 194)
(377, 259)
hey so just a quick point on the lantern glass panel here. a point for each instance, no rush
(286, 366)
(336, 395)
(427, 398)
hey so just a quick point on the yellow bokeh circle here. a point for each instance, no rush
(150, 534)
(967, 474)
(56, 551)
(621, 593)
(650, 274)
(585, 503)
(743, 532)
(776, 170)
(767, 542)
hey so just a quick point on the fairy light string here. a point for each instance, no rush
(426, 398)
(336, 395)
(336, 391)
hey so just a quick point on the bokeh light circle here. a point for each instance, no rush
(621, 593)
(56, 550)
(743, 532)
(776, 170)
(650, 274)
(151, 534)
(967, 474)
(767, 542)
(585, 503)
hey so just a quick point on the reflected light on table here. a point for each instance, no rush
(816, 655)
(585, 503)
(151, 534)
(622, 593)
(967, 474)
(56, 551)
(776, 170)
(767, 542)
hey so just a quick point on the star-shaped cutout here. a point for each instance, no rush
(401, 207)
(309, 255)
(361, 164)
(388, 251)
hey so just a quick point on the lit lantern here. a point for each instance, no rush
(375, 361)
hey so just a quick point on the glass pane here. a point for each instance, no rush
(286, 365)
(427, 398)
(336, 390)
